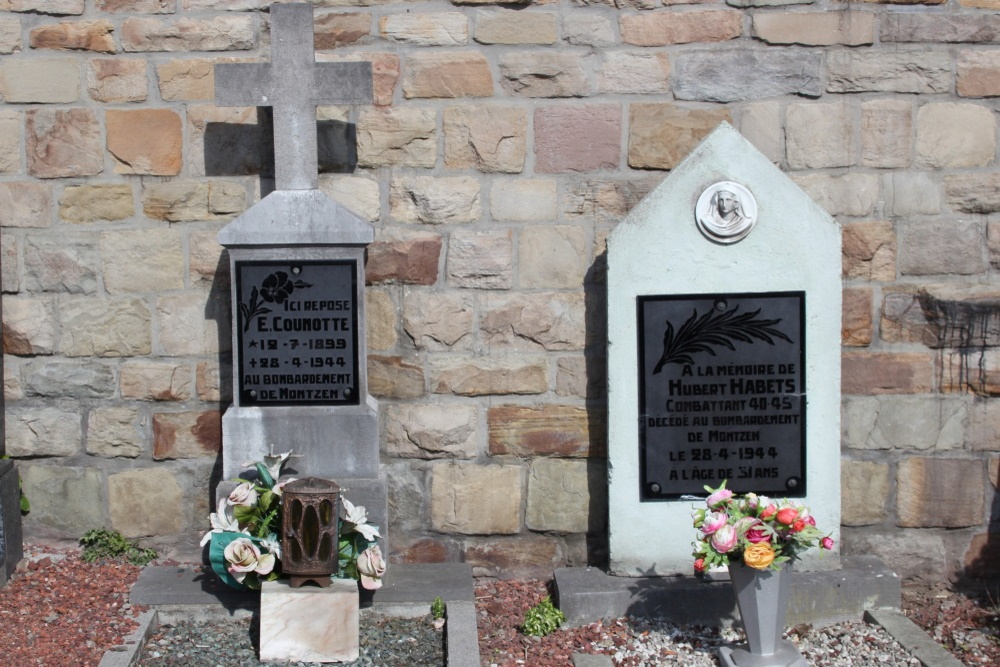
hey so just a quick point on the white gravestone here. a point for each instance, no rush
(724, 308)
(300, 378)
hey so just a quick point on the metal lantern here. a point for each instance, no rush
(309, 537)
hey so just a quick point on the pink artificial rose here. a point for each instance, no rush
(713, 522)
(719, 497)
(244, 494)
(768, 511)
(757, 536)
(724, 539)
(808, 519)
(244, 557)
(699, 565)
(787, 516)
(371, 567)
(798, 526)
(826, 542)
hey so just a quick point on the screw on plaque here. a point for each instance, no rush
(792, 483)
(296, 270)
(253, 393)
(721, 304)
(654, 488)
(348, 393)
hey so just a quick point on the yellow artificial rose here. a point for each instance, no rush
(759, 556)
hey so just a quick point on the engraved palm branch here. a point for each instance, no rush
(705, 333)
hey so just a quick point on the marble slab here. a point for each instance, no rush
(309, 624)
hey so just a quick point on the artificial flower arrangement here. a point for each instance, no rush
(764, 533)
(245, 544)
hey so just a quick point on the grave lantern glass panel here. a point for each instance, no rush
(310, 536)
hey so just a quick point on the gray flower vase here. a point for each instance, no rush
(762, 598)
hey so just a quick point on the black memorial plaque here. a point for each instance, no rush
(722, 394)
(297, 325)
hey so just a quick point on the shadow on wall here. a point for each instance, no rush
(596, 365)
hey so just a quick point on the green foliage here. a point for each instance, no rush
(102, 544)
(542, 619)
(437, 608)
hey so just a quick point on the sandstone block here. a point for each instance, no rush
(455, 74)
(9, 277)
(761, 124)
(189, 79)
(40, 81)
(186, 435)
(183, 201)
(488, 376)
(916, 556)
(420, 550)
(219, 33)
(886, 373)
(145, 380)
(894, 71)
(864, 492)
(979, 73)
(152, 6)
(64, 143)
(33, 432)
(408, 498)
(147, 260)
(145, 141)
(552, 257)
(397, 137)
(921, 423)
(537, 321)
(55, 7)
(730, 76)
(588, 30)
(136, 499)
(856, 326)
(851, 28)
(523, 556)
(244, 147)
(850, 194)
(51, 489)
(385, 72)
(481, 260)
(578, 377)
(984, 424)
(185, 328)
(392, 377)
(975, 373)
(577, 139)
(626, 73)
(334, 30)
(433, 200)
(91, 203)
(955, 135)
(560, 495)
(549, 430)
(104, 328)
(207, 264)
(886, 128)
(992, 244)
(436, 320)
(12, 389)
(382, 320)
(29, 326)
(213, 382)
(10, 142)
(61, 265)
(664, 28)
(426, 28)
(114, 432)
(505, 26)
(404, 257)
(903, 318)
(982, 557)
(472, 499)
(606, 201)
(70, 379)
(869, 251)
(973, 192)
(25, 204)
(818, 136)
(947, 493)
(75, 36)
(935, 28)
(912, 194)
(524, 200)
(766, 3)
(10, 34)
(661, 135)
(929, 247)
(543, 74)
(359, 194)
(485, 138)
(431, 431)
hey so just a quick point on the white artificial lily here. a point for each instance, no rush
(274, 462)
(222, 521)
(357, 516)
(272, 544)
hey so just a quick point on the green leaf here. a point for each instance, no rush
(265, 476)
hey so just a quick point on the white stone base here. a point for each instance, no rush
(309, 624)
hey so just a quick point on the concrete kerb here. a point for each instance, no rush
(186, 593)
(912, 638)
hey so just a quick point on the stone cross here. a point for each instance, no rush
(293, 84)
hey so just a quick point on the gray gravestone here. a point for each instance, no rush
(723, 352)
(300, 377)
(11, 548)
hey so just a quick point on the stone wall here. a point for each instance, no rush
(504, 144)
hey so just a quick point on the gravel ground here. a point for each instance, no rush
(60, 612)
